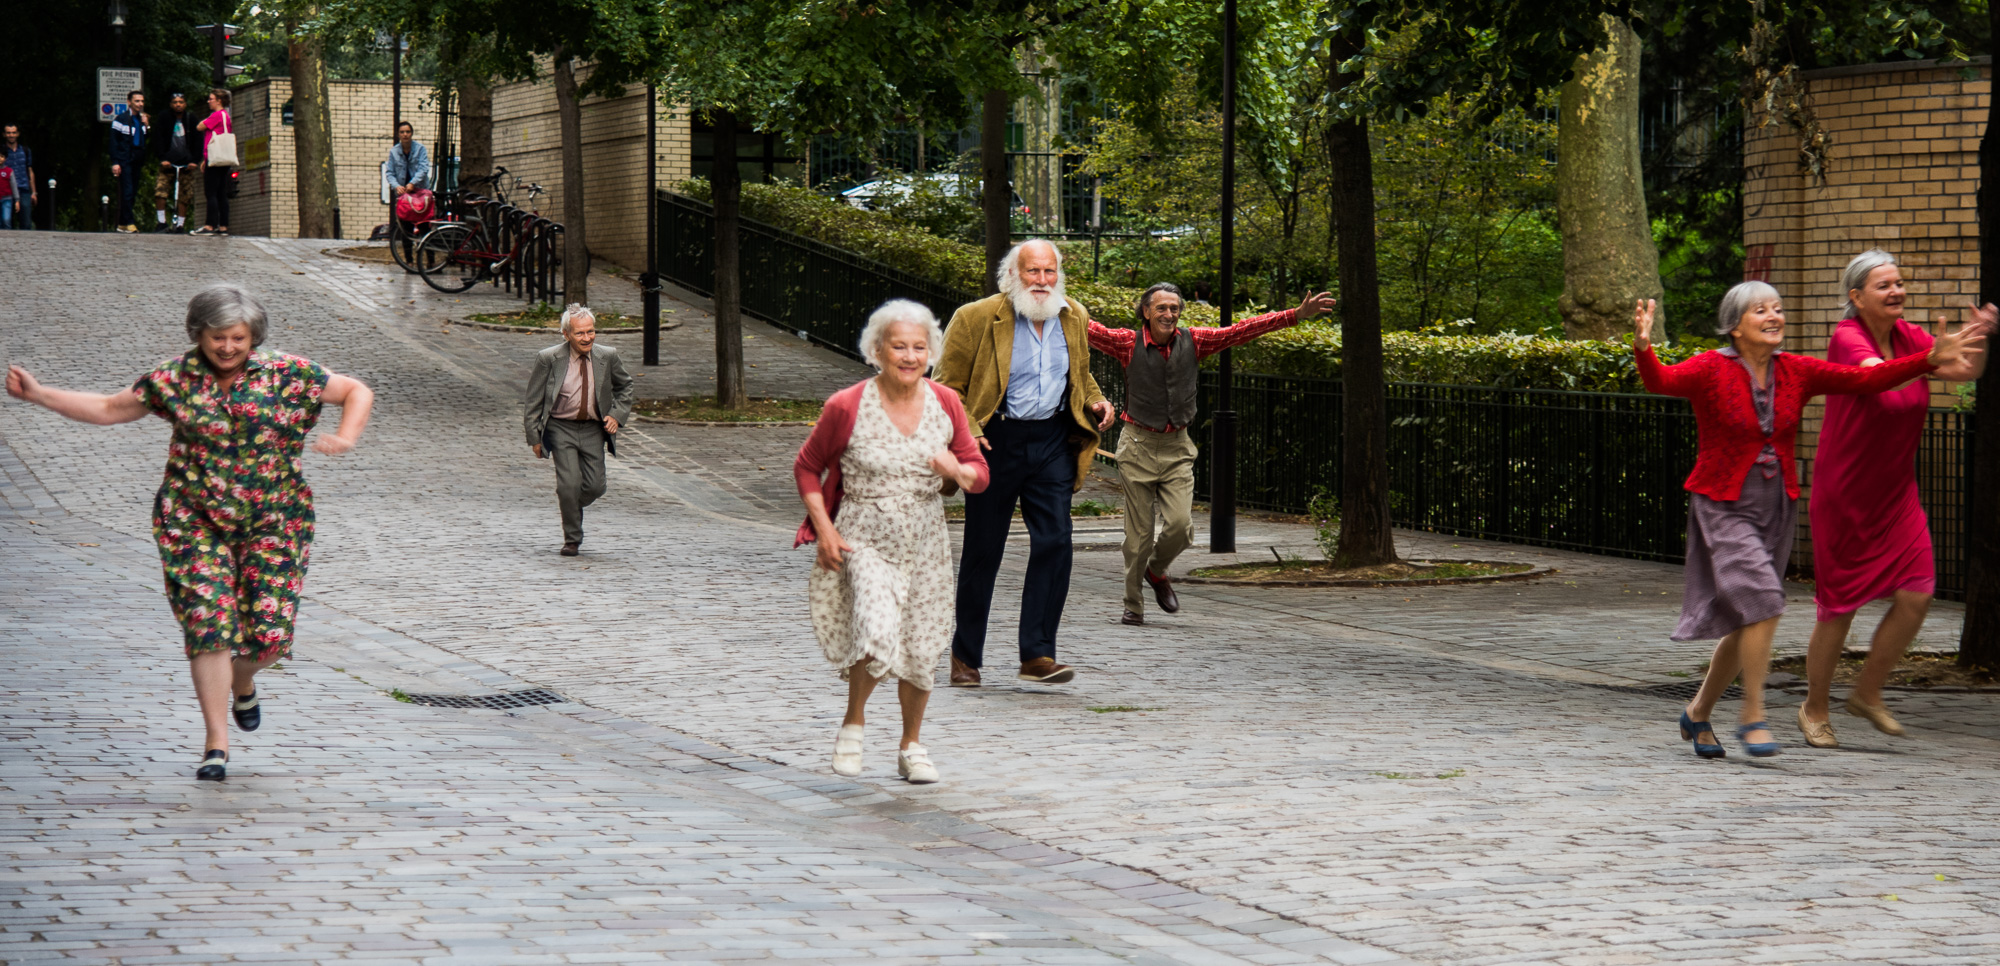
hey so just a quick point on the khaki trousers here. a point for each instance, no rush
(163, 189)
(1157, 470)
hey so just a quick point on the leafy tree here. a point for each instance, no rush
(1979, 639)
(1609, 259)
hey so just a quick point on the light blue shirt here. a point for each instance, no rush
(1039, 372)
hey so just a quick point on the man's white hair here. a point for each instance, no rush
(574, 311)
(1008, 277)
(892, 312)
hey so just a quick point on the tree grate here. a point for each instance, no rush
(498, 702)
(1673, 690)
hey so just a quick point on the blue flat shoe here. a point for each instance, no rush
(1757, 749)
(1691, 731)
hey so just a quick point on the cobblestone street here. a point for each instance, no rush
(1452, 775)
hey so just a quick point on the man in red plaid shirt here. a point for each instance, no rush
(1155, 452)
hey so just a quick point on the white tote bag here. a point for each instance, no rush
(222, 147)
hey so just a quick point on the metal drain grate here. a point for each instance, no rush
(499, 702)
(1676, 691)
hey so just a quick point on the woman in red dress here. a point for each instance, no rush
(1870, 537)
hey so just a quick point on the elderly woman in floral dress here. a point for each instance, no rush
(233, 517)
(881, 589)
(1743, 493)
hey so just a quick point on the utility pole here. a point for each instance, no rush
(1222, 446)
(649, 283)
(395, 83)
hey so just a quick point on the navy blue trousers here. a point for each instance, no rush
(1030, 464)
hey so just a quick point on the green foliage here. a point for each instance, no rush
(1325, 513)
(1436, 355)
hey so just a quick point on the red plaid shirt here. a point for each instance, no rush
(1208, 340)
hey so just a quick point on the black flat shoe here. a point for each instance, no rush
(248, 714)
(212, 769)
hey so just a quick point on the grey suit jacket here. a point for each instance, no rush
(607, 376)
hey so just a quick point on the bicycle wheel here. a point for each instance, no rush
(402, 245)
(450, 261)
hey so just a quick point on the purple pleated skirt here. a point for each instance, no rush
(1737, 551)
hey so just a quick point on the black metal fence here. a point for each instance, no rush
(1595, 472)
(820, 292)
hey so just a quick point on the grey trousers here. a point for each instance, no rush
(577, 447)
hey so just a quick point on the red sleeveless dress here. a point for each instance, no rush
(1869, 532)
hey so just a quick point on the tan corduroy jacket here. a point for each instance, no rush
(979, 350)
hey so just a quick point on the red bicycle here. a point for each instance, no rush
(456, 255)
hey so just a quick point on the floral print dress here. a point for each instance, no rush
(234, 517)
(891, 600)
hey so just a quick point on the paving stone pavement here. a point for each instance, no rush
(1427, 773)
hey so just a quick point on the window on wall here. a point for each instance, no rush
(760, 158)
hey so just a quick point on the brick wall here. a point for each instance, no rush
(527, 139)
(267, 197)
(1903, 175)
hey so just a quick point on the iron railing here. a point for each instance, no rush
(815, 290)
(535, 272)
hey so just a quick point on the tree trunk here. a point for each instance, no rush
(1609, 260)
(1365, 534)
(726, 190)
(475, 128)
(1979, 640)
(312, 133)
(576, 248)
(996, 195)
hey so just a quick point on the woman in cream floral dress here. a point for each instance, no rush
(881, 587)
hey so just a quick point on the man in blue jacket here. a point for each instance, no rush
(128, 154)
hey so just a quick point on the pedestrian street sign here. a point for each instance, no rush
(113, 83)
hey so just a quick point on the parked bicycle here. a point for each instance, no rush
(493, 241)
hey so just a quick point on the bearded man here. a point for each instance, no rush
(1021, 362)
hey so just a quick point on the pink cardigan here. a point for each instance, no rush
(822, 450)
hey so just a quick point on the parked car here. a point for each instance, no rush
(882, 192)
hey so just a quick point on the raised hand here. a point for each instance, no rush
(1984, 318)
(1642, 323)
(20, 384)
(1951, 347)
(1317, 305)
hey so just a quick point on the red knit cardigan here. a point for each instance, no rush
(1725, 415)
(821, 451)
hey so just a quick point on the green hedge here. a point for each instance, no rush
(1310, 349)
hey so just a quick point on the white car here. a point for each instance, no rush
(874, 194)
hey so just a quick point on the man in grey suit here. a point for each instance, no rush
(578, 396)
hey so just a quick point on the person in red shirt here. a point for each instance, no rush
(1155, 451)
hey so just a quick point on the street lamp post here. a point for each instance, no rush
(649, 283)
(115, 10)
(1222, 446)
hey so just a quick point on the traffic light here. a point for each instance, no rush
(220, 35)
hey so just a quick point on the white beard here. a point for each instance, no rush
(1042, 309)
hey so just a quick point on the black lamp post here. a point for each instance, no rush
(649, 283)
(1222, 446)
(115, 11)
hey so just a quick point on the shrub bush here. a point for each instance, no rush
(1437, 354)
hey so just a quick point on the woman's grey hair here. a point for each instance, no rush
(1737, 301)
(574, 311)
(1008, 276)
(1855, 275)
(223, 306)
(892, 312)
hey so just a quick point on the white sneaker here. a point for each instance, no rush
(847, 751)
(914, 764)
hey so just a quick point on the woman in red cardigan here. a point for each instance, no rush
(1742, 503)
(882, 588)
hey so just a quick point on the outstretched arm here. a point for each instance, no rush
(1663, 379)
(356, 402)
(102, 409)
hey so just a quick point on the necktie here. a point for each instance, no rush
(587, 410)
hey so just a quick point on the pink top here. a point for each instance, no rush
(215, 123)
(820, 455)
(1870, 535)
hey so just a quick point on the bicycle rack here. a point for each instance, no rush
(532, 273)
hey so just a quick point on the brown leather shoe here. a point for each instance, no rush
(1133, 618)
(963, 675)
(1163, 591)
(1045, 670)
(569, 550)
